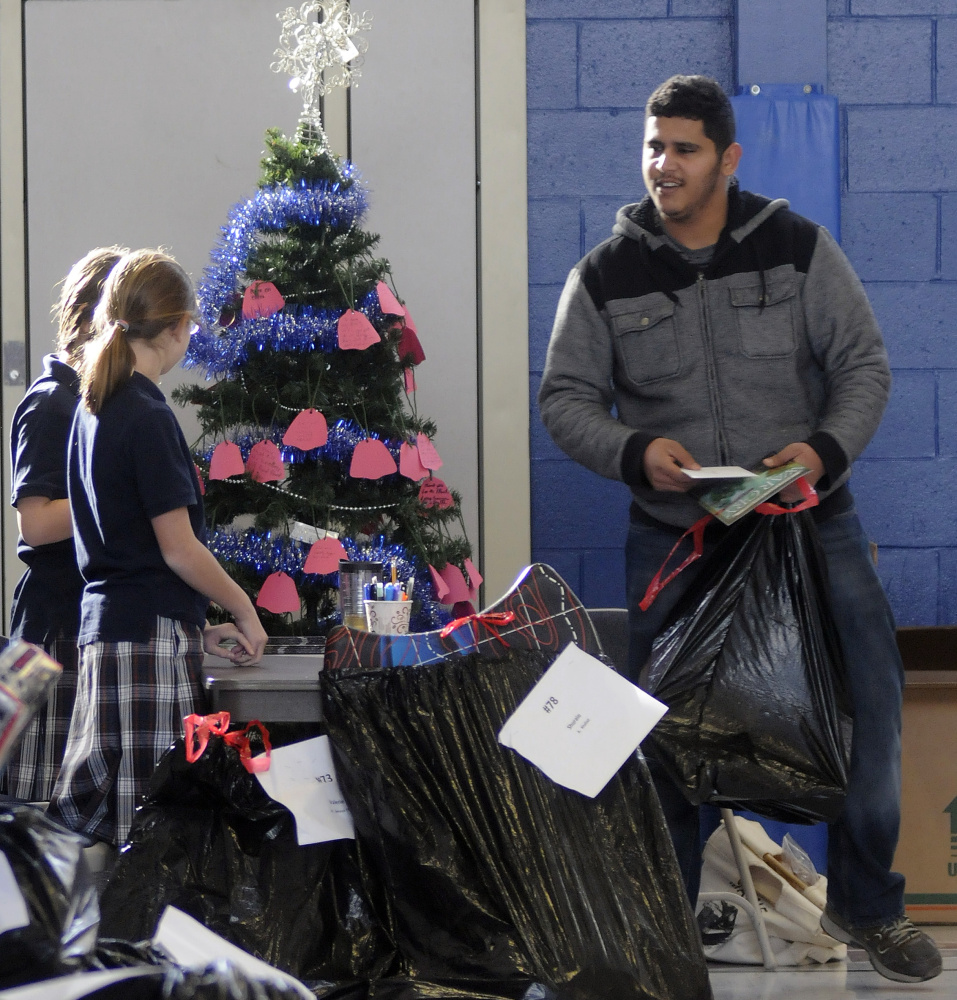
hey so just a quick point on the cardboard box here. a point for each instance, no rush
(927, 850)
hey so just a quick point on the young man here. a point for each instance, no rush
(724, 328)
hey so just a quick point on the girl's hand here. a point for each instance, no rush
(252, 637)
(229, 642)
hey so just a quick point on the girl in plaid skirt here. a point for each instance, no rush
(46, 602)
(140, 533)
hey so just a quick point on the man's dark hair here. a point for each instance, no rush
(698, 98)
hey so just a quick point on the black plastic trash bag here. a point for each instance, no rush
(153, 976)
(405, 989)
(55, 884)
(211, 842)
(156, 978)
(750, 667)
(492, 876)
(222, 981)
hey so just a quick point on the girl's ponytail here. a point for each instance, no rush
(79, 295)
(107, 363)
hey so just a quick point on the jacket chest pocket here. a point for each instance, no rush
(646, 341)
(767, 332)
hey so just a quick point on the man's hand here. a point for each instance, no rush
(663, 461)
(806, 456)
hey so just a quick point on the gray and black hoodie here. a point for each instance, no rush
(772, 342)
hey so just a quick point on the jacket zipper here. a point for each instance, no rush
(714, 397)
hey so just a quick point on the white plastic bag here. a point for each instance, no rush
(792, 910)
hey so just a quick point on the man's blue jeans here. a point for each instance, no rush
(861, 843)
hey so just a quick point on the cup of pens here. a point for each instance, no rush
(388, 608)
(388, 617)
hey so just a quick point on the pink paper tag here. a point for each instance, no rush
(428, 456)
(475, 577)
(462, 609)
(441, 587)
(324, 556)
(408, 320)
(434, 493)
(261, 299)
(279, 594)
(409, 347)
(265, 463)
(199, 476)
(388, 303)
(226, 461)
(309, 430)
(409, 464)
(356, 333)
(458, 588)
(409, 375)
(371, 460)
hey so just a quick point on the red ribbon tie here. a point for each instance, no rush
(492, 620)
(199, 728)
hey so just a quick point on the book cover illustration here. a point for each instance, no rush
(731, 500)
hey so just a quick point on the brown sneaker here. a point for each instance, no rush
(897, 949)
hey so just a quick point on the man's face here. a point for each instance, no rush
(682, 170)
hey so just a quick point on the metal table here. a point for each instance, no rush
(284, 687)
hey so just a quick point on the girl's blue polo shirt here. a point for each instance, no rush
(47, 598)
(129, 464)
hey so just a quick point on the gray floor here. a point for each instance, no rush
(837, 981)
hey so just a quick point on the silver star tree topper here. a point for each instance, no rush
(320, 54)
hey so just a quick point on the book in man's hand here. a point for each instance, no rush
(733, 498)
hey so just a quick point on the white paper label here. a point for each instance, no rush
(302, 777)
(308, 534)
(346, 50)
(719, 472)
(192, 946)
(581, 722)
(13, 907)
(84, 984)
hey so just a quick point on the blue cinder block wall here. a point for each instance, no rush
(892, 64)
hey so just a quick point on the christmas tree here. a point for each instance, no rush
(312, 449)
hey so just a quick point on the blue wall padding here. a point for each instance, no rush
(792, 149)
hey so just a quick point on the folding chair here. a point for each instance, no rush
(611, 624)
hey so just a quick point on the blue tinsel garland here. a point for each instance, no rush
(268, 553)
(273, 208)
(295, 329)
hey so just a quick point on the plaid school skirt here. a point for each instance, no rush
(33, 767)
(130, 703)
